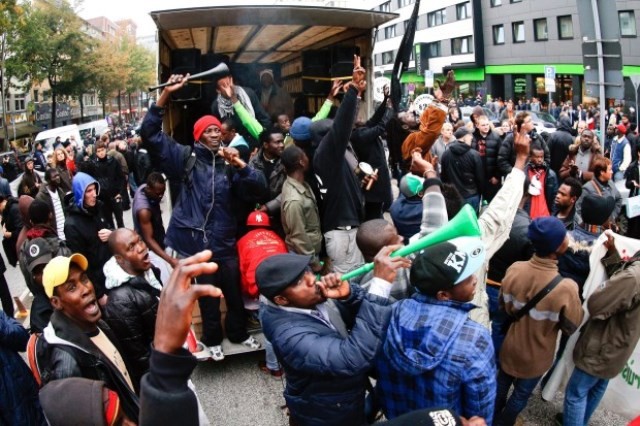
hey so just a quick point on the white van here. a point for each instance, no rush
(93, 129)
(48, 137)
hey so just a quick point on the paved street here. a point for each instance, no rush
(236, 393)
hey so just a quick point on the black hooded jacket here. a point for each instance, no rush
(462, 167)
(559, 143)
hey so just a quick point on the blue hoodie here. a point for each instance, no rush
(435, 356)
(80, 183)
(81, 231)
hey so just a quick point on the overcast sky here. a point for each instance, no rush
(138, 10)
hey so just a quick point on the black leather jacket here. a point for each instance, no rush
(131, 313)
(71, 353)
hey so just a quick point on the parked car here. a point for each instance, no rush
(543, 121)
(467, 110)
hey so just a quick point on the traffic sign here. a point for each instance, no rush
(549, 79)
(428, 78)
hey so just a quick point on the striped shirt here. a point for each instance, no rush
(58, 212)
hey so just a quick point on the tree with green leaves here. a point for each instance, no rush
(12, 19)
(51, 46)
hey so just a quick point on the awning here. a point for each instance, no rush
(22, 129)
(411, 77)
(469, 74)
(534, 69)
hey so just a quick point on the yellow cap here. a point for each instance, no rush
(57, 271)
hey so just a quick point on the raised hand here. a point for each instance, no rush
(177, 300)
(359, 78)
(332, 287)
(386, 267)
(335, 89)
(226, 87)
(449, 84)
(177, 82)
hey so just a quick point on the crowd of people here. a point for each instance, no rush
(270, 212)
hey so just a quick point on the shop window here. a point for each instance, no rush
(498, 34)
(461, 45)
(565, 27)
(627, 20)
(540, 31)
(434, 49)
(518, 32)
(463, 11)
(436, 18)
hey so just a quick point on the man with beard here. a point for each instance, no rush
(581, 158)
(215, 182)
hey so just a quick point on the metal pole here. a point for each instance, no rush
(637, 122)
(599, 52)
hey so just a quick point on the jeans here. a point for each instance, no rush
(498, 317)
(582, 396)
(269, 354)
(506, 412)
(473, 201)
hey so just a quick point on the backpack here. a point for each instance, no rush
(39, 355)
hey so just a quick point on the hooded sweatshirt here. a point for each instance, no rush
(462, 167)
(81, 229)
(433, 356)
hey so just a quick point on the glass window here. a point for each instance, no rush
(385, 7)
(433, 49)
(463, 11)
(495, 3)
(461, 45)
(390, 31)
(498, 34)
(540, 31)
(518, 32)
(18, 102)
(627, 20)
(565, 27)
(403, 3)
(436, 18)
(516, 1)
(387, 57)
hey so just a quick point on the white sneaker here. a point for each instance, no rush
(216, 353)
(252, 343)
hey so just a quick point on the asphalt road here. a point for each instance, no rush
(235, 392)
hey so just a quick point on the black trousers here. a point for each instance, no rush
(227, 278)
(112, 207)
(5, 296)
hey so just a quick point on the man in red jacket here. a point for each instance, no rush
(258, 244)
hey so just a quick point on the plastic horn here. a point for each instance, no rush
(220, 69)
(464, 224)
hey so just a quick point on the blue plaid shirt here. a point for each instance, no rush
(435, 356)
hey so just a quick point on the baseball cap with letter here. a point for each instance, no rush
(442, 266)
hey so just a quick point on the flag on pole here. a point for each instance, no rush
(403, 56)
